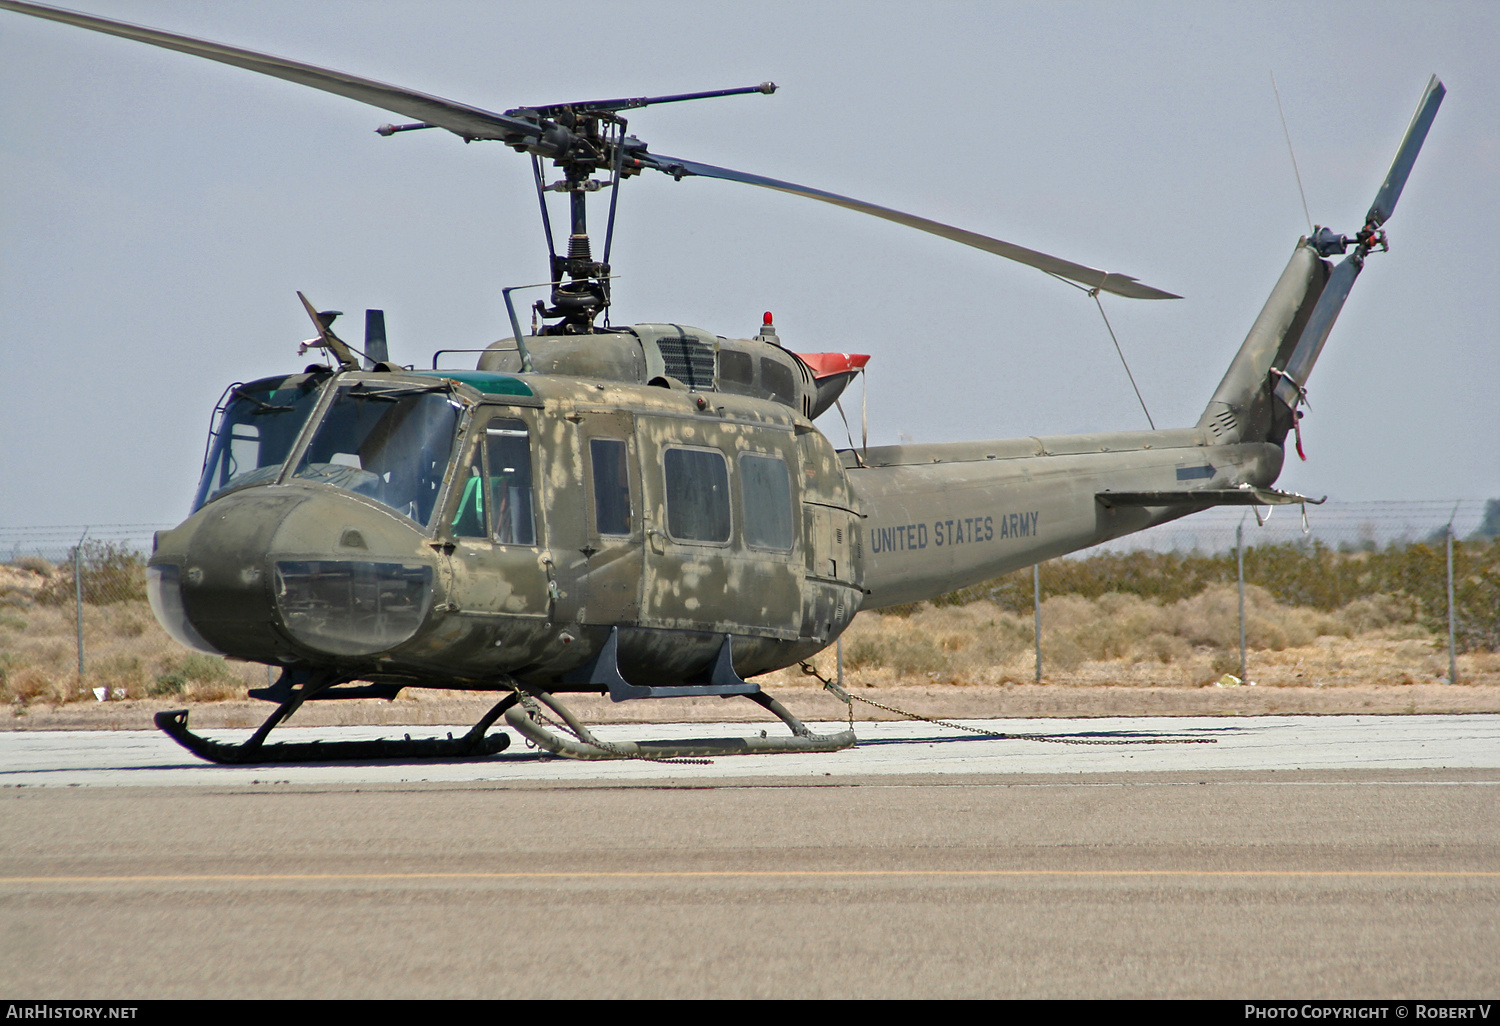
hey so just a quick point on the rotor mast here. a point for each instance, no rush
(591, 137)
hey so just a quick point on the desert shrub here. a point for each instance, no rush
(36, 565)
(23, 685)
(19, 585)
(187, 669)
(1067, 612)
(1166, 648)
(1356, 590)
(1221, 662)
(1003, 638)
(909, 655)
(863, 653)
(1377, 611)
(1061, 652)
(110, 572)
(972, 642)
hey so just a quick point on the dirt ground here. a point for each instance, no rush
(812, 703)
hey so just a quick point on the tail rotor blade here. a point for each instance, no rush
(1406, 156)
(1292, 381)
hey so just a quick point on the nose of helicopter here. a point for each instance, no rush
(276, 575)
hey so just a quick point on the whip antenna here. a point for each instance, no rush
(1290, 152)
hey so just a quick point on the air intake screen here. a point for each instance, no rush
(688, 360)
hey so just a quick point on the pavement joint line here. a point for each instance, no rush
(755, 874)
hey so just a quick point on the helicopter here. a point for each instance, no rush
(646, 511)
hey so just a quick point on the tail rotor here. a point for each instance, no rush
(1291, 385)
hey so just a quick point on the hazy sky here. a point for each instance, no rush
(158, 212)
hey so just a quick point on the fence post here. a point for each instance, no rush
(78, 597)
(1036, 605)
(1452, 648)
(1239, 557)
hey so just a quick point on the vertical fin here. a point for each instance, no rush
(1239, 410)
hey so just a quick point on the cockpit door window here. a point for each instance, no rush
(508, 449)
(496, 497)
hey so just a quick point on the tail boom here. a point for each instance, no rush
(936, 518)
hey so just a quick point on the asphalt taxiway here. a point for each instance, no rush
(1295, 857)
(1104, 745)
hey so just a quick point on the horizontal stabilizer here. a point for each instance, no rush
(1208, 497)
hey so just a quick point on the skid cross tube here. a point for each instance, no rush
(584, 745)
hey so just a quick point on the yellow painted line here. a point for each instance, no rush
(730, 874)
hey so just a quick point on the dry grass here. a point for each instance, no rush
(1124, 639)
(1106, 641)
(125, 651)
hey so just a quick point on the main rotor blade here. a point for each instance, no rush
(636, 102)
(461, 119)
(1119, 284)
(1406, 156)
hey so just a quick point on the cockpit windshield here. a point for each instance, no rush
(391, 444)
(253, 438)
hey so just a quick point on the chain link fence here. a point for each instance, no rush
(1359, 594)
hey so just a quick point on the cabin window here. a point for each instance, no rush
(611, 485)
(508, 454)
(736, 367)
(697, 495)
(767, 491)
(776, 378)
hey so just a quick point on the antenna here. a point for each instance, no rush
(1290, 152)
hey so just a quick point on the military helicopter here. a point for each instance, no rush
(646, 511)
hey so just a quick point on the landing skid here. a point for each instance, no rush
(584, 745)
(602, 672)
(474, 744)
